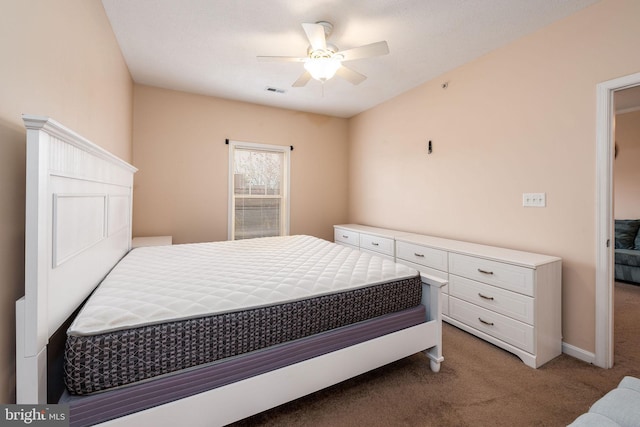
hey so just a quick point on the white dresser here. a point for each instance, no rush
(509, 298)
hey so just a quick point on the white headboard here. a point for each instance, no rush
(78, 226)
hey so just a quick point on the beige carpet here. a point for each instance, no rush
(478, 385)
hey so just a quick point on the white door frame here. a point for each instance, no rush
(604, 215)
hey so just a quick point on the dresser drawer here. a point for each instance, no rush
(346, 236)
(507, 276)
(502, 327)
(378, 254)
(514, 305)
(429, 257)
(383, 245)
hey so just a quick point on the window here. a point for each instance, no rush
(258, 190)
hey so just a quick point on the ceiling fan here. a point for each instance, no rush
(324, 60)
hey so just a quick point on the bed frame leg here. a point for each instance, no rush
(432, 299)
(31, 371)
(435, 357)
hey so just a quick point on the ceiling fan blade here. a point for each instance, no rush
(302, 80)
(366, 51)
(350, 75)
(280, 59)
(315, 34)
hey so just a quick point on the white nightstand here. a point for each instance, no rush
(138, 242)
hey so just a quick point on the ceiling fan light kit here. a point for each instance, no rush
(323, 60)
(322, 69)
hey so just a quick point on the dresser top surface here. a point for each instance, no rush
(525, 259)
(512, 256)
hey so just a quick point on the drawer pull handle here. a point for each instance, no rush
(419, 255)
(375, 244)
(485, 322)
(345, 237)
(485, 297)
(485, 271)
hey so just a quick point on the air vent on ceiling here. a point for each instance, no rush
(274, 89)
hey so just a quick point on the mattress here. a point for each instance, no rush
(165, 309)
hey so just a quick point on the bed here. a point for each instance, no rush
(78, 236)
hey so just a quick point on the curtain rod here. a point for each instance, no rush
(226, 141)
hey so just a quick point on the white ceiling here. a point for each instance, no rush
(209, 47)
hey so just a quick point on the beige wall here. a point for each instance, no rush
(181, 187)
(520, 119)
(626, 171)
(58, 59)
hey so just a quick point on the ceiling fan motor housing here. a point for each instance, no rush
(322, 53)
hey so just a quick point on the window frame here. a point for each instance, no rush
(285, 205)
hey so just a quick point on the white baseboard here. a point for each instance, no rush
(578, 353)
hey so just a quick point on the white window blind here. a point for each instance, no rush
(258, 190)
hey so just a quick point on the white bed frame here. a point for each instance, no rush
(78, 226)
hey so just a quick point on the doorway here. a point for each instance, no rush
(605, 143)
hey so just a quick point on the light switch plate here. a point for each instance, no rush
(536, 200)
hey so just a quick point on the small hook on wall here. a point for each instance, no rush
(429, 148)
